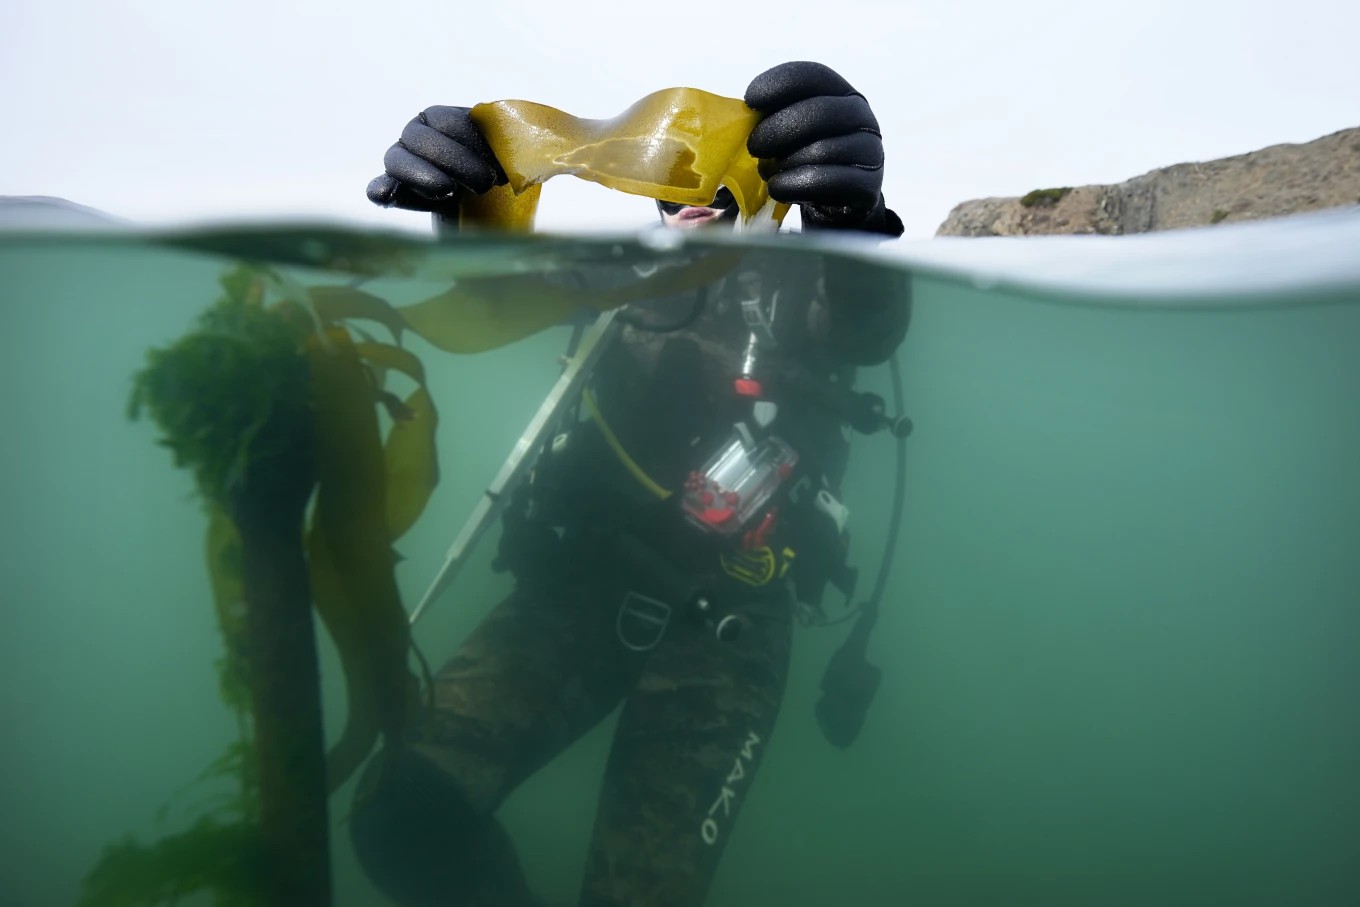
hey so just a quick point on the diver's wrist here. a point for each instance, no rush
(878, 219)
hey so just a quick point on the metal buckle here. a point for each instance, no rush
(652, 615)
(809, 615)
(760, 320)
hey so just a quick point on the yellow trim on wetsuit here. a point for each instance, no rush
(612, 440)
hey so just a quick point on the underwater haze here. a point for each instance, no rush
(1120, 642)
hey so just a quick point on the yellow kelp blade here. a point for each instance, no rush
(477, 315)
(473, 316)
(332, 304)
(392, 358)
(668, 281)
(480, 314)
(412, 467)
(677, 144)
(411, 460)
(350, 554)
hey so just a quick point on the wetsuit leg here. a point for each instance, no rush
(687, 746)
(541, 670)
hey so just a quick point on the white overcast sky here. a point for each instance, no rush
(172, 112)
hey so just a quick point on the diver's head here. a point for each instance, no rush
(722, 210)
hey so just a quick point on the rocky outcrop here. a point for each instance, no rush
(1281, 179)
(43, 212)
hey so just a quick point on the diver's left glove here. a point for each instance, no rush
(819, 147)
(440, 155)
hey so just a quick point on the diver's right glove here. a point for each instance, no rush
(440, 155)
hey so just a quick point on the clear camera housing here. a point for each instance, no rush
(737, 481)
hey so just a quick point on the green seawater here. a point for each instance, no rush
(1120, 643)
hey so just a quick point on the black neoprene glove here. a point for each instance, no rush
(441, 153)
(819, 148)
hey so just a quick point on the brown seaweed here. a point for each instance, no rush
(677, 144)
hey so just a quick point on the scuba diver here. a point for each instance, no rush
(664, 544)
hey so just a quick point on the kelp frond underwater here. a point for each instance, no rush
(273, 407)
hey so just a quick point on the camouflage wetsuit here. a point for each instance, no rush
(558, 655)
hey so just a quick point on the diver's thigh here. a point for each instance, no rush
(687, 745)
(539, 671)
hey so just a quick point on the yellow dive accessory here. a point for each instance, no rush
(677, 144)
(628, 463)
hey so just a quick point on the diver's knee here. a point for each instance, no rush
(409, 825)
